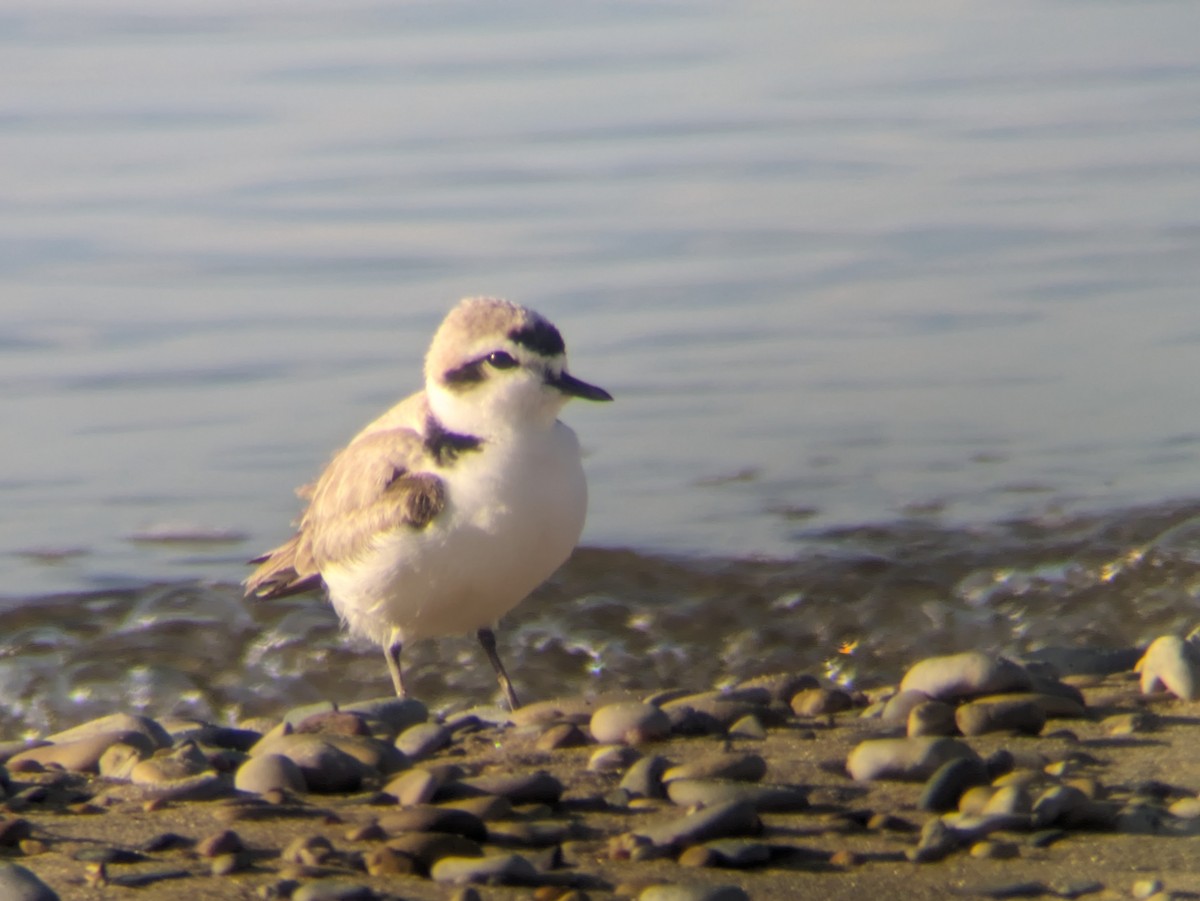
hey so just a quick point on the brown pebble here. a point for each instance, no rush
(95, 875)
(224, 842)
(31, 847)
(368, 832)
(226, 864)
(844, 858)
(820, 702)
(698, 856)
(154, 804)
(389, 862)
(308, 850)
(12, 831)
(992, 849)
(561, 735)
(334, 722)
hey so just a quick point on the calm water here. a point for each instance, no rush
(913, 286)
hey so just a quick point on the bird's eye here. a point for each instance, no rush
(501, 360)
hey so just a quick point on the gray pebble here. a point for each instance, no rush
(712, 792)
(423, 739)
(724, 707)
(203, 787)
(644, 778)
(325, 766)
(735, 818)
(333, 890)
(931, 718)
(897, 708)
(417, 786)
(679, 892)
(116, 722)
(270, 772)
(1020, 715)
(427, 848)
(965, 675)
(946, 786)
(83, 754)
(937, 840)
(525, 788)
(781, 687)
(506, 869)
(560, 710)
(1173, 664)
(821, 702)
(20, 884)
(426, 818)
(629, 722)
(397, 714)
(611, 758)
(740, 767)
(903, 758)
(561, 735)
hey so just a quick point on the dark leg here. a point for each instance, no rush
(487, 638)
(392, 653)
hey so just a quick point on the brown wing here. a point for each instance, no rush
(375, 485)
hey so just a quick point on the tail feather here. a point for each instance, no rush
(283, 572)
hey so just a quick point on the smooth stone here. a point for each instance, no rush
(913, 759)
(427, 848)
(1009, 799)
(1069, 807)
(725, 708)
(422, 740)
(118, 761)
(326, 767)
(611, 758)
(270, 772)
(947, 784)
(201, 787)
(736, 818)
(417, 786)
(937, 840)
(13, 831)
(333, 722)
(388, 862)
(965, 675)
(740, 767)
(307, 850)
(1023, 716)
(682, 892)
(1173, 664)
(486, 807)
(931, 718)
(203, 733)
(735, 852)
(116, 722)
(82, 755)
(333, 890)
(1087, 661)
(504, 869)
(578, 711)
(713, 792)
(1185, 809)
(20, 884)
(1135, 723)
(686, 721)
(397, 714)
(821, 702)
(157, 770)
(750, 727)
(561, 735)
(630, 723)
(991, 849)
(780, 687)
(969, 829)
(527, 788)
(377, 755)
(897, 708)
(224, 842)
(427, 818)
(529, 832)
(645, 778)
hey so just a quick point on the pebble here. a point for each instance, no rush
(417, 786)
(116, 723)
(965, 675)
(561, 735)
(559, 710)
(333, 722)
(224, 842)
(735, 818)
(325, 767)
(944, 788)
(307, 850)
(903, 758)
(1023, 716)
(713, 792)
(781, 687)
(725, 708)
(611, 758)
(1065, 805)
(727, 852)
(504, 869)
(423, 739)
(388, 862)
(897, 708)
(1173, 664)
(333, 890)
(1136, 723)
(1145, 888)
(533, 833)
(740, 767)
(20, 884)
(990, 849)
(270, 772)
(629, 722)
(201, 787)
(681, 892)
(1009, 799)
(83, 754)
(526, 788)
(645, 778)
(427, 848)
(397, 714)
(427, 818)
(1185, 809)
(486, 807)
(118, 760)
(820, 702)
(748, 727)
(225, 864)
(931, 718)
(13, 831)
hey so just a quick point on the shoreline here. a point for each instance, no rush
(608, 798)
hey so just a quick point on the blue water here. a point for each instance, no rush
(839, 265)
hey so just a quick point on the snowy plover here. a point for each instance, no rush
(449, 509)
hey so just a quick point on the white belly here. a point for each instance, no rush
(513, 516)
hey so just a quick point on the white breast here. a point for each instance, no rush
(515, 512)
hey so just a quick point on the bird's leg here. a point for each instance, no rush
(487, 638)
(392, 653)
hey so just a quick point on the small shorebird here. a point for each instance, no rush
(449, 509)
